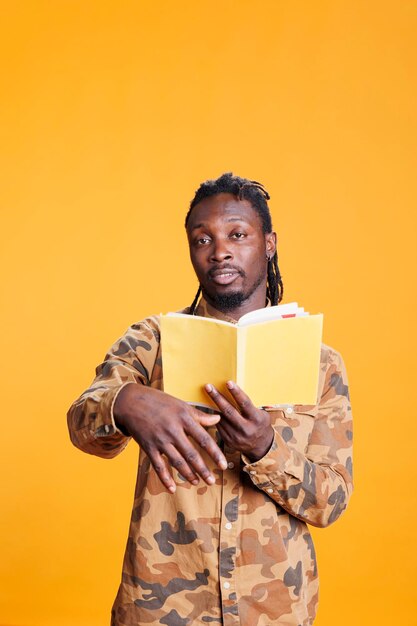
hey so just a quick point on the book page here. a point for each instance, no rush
(282, 360)
(196, 351)
(270, 313)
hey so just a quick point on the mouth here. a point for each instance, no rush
(223, 276)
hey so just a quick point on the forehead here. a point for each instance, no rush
(223, 207)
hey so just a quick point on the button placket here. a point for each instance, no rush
(228, 536)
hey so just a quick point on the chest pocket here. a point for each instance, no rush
(294, 424)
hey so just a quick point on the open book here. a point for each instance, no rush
(273, 354)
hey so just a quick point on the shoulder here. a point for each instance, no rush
(150, 326)
(329, 355)
(143, 336)
(333, 371)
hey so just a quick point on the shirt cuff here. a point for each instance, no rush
(105, 423)
(273, 466)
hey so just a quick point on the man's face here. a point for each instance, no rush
(228, 251)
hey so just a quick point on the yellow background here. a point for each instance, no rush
(111, 115)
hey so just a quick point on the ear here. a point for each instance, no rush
(270, 244)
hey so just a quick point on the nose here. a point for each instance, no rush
(220, 251)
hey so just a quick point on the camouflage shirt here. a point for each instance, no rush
(238, 552)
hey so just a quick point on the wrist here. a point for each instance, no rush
(123, 405)
(257, 453)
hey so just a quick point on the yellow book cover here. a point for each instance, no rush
(274, 359)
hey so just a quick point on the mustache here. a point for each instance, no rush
(233, 268)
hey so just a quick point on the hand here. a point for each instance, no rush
(248, 429)
(162, 425)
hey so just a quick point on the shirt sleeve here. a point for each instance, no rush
(132, 359)
(314, 484)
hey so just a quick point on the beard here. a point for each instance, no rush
(226, 301)
(230, 301)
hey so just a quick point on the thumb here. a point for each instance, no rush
(206, 419)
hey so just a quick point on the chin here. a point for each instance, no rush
(226, 301)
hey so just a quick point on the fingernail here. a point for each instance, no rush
(195, 481)
(210, 480)
(223, 465)
(172, 488)
(230, 384)
(209, 388)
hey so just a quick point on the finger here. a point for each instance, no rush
(161, 468)
(227, 435)
(179, 463)
(208, 444)
(194, 460)
(228, 410)
(242, 399)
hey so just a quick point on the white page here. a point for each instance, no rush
(271, 313)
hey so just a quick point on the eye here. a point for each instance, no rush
(238, 235)
(200, 241)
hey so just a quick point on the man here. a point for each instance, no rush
(218, 530)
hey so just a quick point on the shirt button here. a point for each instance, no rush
(270, 490)
(230, 465)
(289, 410)
(228, 526)
(226, 585)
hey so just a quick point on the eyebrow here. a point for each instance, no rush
(229, 219)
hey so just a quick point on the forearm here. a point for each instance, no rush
(315, 492)
(132, 359)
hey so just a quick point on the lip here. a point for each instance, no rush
(223, 276)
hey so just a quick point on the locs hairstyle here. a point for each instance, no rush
(257, 195)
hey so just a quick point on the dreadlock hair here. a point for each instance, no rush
(257, 195)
